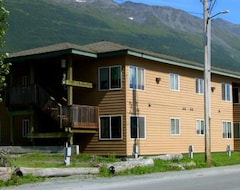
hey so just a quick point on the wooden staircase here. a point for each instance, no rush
(49, 105)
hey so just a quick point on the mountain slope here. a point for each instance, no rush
(159, 29)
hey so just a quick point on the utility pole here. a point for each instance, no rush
(207, 81)
(207, 8)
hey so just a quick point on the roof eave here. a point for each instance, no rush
(50, 54)
(185, 65)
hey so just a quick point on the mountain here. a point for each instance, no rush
(159, 29)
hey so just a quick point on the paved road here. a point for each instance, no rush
(221, 178)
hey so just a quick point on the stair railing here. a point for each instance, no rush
(48, 104)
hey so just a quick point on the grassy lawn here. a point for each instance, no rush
(53, 160)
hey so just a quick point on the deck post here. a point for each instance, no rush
(70, 92)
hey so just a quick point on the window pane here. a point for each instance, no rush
(228, 92)
(223, 91)
(104, 124)
(235, 95)
(116, 127)
(25, 127)
(174, 81)
(200, 86)
(116, 77)
(172, 126)
(133, 127)
(136, 78)
(140, 78)
(175, 126)
(236, 130)
(141, 127)
(200, 126)
(104, 79)
(137, 127)
(227, 130)
(133, 77)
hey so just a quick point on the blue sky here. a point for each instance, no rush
(195, 7)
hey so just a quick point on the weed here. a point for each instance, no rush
(105, 172)
(5, 159)
(15, 180)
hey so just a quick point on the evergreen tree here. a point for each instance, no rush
(4, 67)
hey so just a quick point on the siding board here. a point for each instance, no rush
(158, 104)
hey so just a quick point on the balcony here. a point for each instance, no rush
(83, 117)
(72, 116)
(21, 96)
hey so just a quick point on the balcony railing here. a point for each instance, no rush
(73, 116)
(23, 95)
(82, 116)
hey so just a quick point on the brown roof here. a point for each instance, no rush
(95, 48)
(46, 49)
(105, 47)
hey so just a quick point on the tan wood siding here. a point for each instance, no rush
(110, 102)
(158, 104)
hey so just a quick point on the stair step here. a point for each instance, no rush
(53, 109)
(64, 116)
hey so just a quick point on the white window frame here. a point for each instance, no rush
(174, 129)
(174, 81)
(199, 86)
(110, 127)
(109, 78)
(25, 127)
(200, 127)
(226, 134)
(227, 92)
(139, 79)
(236, 132)
(145, 129)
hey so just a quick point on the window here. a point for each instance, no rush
(175, 126)
(200, 86)
(227, 130)
(110, 127)
(110, 78)
(237, 130)
(174, 82)
(138, 127)
(200, 127)
(136, 78)
(227, 92)
(25, 127)
(25, 80)
(236, 95)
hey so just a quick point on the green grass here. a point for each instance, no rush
(218, 159)
(21, 180)
(43, 160)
